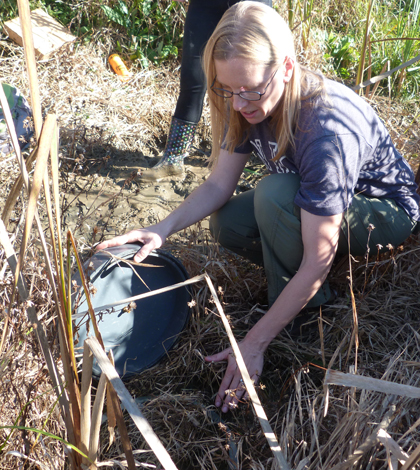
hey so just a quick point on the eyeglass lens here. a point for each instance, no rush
(246, 95)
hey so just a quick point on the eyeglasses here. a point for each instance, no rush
(246, 95)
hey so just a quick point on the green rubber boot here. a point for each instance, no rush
(181, 135)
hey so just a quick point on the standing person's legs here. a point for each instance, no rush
(202, 18)
(200, 22)
(265, 224)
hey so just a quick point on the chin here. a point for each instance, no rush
(254, 119)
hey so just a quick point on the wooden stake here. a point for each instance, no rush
(28, 45)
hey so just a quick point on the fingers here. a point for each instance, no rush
(255, 379)
(236, 393)
(221, 356)
(149, 239)
(232, 389)
(117, 241)
(233, 394)
(145, 251)
(226, 390)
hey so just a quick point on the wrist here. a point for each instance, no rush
(163, 229)
(257, 340)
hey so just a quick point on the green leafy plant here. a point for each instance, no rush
(8, 10)
(341, 54)
(407, 28)
(392, 39)
(119, 14)
(80, 16)
(152, 37)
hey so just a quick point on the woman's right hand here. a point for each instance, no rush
(150, 238)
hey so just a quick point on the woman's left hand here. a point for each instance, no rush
(232, 388)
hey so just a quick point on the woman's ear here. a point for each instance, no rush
(289, 65)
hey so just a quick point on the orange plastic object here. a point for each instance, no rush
(118, 66)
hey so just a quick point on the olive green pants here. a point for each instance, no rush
(264, 226)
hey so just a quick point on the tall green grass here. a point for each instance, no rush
(380, 35)
(396, 38)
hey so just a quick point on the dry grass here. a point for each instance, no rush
(100, 117)
(27, 396)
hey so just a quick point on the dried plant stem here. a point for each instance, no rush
(392, 446)
(86, 289)
(249, 384)
(67, 308)
(31, 210)
(42, 338)
(16, 189)
(112, 420)
(130, 405)
(45, 140)
(97, 409)
(28, 45)
(382, 75)
(38, 178)
(85, 417)
(361, 67)
(193, 280)
(412, 460)
(334, 377)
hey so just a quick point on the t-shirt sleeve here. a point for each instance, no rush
(328, 169)
(244, 148)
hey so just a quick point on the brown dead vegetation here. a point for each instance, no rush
(108, 131)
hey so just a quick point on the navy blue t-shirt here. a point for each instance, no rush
(341, 148)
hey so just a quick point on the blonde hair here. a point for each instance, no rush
(255, 32)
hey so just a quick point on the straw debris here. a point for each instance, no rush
(109, 131)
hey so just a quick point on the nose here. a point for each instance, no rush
(238, 103)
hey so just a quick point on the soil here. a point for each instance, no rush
(114, 199)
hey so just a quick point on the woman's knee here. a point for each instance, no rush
(372, 225)
(235, 220)
(277, 191)
(216, 223)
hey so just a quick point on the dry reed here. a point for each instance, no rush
(99, 118)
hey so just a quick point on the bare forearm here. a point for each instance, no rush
(206, 199)
(301, 288)
(320, 239)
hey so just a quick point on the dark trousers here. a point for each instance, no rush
(264, 226)
(202, 18)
